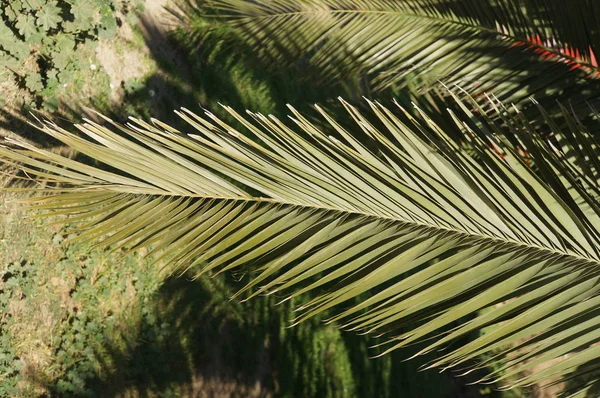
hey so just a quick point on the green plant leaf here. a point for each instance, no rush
(26, 25)
(13, 10)
(63, 54)
(33, 81)
(17, 48)
(82, 9)
(83, 13)
(10, 62)
(108, 27)
(48, 17)
(52, 78)
(35, 4)
(7, 38)
(65, 75)
(64, 42)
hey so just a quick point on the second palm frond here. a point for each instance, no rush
(482, 46)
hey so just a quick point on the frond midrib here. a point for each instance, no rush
(495, 241)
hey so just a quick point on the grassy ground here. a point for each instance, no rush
(79, 321)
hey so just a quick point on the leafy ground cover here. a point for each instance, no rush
(44, 44)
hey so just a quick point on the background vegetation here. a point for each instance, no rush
(43, 44)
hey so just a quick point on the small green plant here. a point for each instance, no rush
(77, 305)
(13, 286)
(41, 41)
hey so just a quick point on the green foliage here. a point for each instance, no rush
(15, 283)
(83, 334)
(116, 327)
(78, 294)
(120, 327)
(43, 42)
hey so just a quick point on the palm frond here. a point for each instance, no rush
(446, 245)
(481, 46)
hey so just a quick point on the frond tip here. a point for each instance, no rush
(444, 243)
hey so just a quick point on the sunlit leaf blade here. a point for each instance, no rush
(399, 233)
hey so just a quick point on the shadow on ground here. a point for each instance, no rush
(191, 341)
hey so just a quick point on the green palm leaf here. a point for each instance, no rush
(481, 46)
(445, 244)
